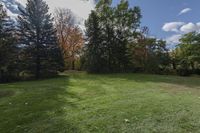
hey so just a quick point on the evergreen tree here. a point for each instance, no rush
(106, 15)
(126, 25)
(7, 48)
(93, 48)
(116, 28)
(41, 52)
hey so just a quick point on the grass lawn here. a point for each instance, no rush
(118, 103)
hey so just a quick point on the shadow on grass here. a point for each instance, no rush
(38, 107)
(143, 78)
(169, 79)
(6, 93)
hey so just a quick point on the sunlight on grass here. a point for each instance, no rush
(80, 102)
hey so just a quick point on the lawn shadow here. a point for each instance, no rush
(38, 107)
(169, 79)
(6, 93)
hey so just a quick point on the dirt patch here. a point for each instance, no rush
(6, 93)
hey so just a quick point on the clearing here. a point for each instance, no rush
(113, 103)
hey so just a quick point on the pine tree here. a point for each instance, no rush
(106, 14)
(116, 29)
(38, 38)
(7, 47)
(93, 47)
(126, 25)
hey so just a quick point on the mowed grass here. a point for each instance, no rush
(114, 103)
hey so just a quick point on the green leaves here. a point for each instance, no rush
(109, 30)
(8, 53)
(188, 53)
(38, 35)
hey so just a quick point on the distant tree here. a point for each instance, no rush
(8, 48)
(70, 37)
(75, 46)
(188, 54)
(138, 49)
(149, 54)
(41, 51)
(64, 23)
(158, 59)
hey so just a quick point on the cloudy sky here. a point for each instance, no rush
(167, 19)
(80, 7)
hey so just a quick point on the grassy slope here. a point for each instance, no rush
(119, 103)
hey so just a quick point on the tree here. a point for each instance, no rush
(158, 57)
(149, 54)
(115, 28)
(188, 54)
(70, 37)
(126, 25)
(106, 17)
(41, 51)
(138, 49)
(7, 48)
(93, 47)
(75, 45)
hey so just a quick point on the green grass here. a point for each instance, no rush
(117, 103)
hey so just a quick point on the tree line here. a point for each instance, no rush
(186, 56)
(38, 46)
(114, 41)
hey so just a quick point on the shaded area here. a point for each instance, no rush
(6, 93)
(143, 78)
(37, 107)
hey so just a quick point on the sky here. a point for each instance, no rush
(169, 19)
(81, 8)
(166, 19)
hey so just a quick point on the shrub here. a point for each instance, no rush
(183, 72)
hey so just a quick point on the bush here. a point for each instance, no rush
(197, 71)
(183, 72)
(8, 77)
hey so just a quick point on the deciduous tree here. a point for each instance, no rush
(69, 35)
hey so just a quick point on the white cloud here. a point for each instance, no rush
(185, 28)
(186, 10)
(190, 27)
(174, 39)
(81, 8)
(172, 26)
(181, 27)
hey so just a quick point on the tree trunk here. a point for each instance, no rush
(174, 65)
(1, 76)
(38, 67)
(73, 64)
(37, 74)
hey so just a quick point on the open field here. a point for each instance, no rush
(117, 103)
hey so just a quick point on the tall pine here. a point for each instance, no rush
(126, 25)
(7, 48)
(116, 29)
(41, 53)
(93, 46)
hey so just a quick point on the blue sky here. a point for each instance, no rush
(163, 17)
(157, 13)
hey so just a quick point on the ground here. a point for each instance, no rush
(117, 103)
